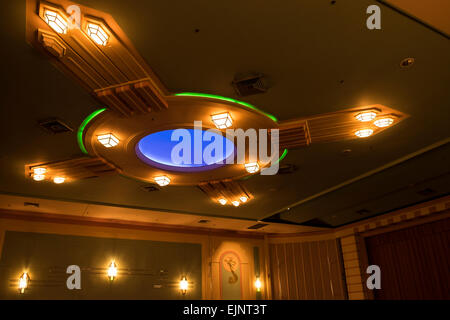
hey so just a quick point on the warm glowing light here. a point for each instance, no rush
(235, 203)
(222, 120)
(243, 199)
(38, 177)
(184, 285)
(252, 167)
(112, 271)
(108, 140)
(39, 170)
(366, 116)
(162, 180)
(97, 34)
(258, 284)
(23, 282)
(59, 180)
(55, 21)
(384, 122)
(223, 201)
(364, 133)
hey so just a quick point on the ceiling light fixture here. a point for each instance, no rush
(366, 116)
(162, 180)
(184, 285)
(39, 170)
(55, 21)
(384, 122)
(38, 177)
(364, 133)
(108, 140)
(222, 120)
(235, 203)
(97, 34)
(59, 180)
(23, 282)
(112, 271)
(223, 201)
(243, 199)
(251, 167)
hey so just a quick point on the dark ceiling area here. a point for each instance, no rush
(318, 56)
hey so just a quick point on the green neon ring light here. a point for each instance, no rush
(213, 96)
(83, 126)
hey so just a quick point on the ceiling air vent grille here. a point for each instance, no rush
(150, 188)
(54, 126)
(249, 85)
(258, 226)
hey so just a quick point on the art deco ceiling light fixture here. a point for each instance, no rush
(137, 105)
(252, 167)
(59, 180)
(364, 133)
(55, 21)
(366, 116)
(162, 181)
(384, 122)
(222, 120)
(97, 34)
(108, 140)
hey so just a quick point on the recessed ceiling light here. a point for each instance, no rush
(384, 122)
(223, 201)
(108, 140)
(366, 116)
(251, 167)
(162, 180)
(235, 203)
(222, 120)
(59, 180)
(39, 170)
(243, 199)
(38, 177)
(364, 133)
(55, 21)
(97, 34)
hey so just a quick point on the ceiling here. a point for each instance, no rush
(318, 56)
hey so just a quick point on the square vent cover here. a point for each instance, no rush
(249, 85)
(54, 126)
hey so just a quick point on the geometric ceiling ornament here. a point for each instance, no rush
(131, 131)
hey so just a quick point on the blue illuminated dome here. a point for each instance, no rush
(156, 148)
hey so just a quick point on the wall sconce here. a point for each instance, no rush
(23, 282)
(112, 271)
(55, 21)
(223, 201)
(251, 167)
(258, 285)
(97, 34)
(184, 285)
(235, 203)
(162, 180)
(108, 140)
(243, 199)
(222, 120)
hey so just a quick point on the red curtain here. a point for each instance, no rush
(414, 262)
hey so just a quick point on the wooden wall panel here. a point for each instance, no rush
(307, 270)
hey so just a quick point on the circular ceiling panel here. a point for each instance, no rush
(185, 150)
